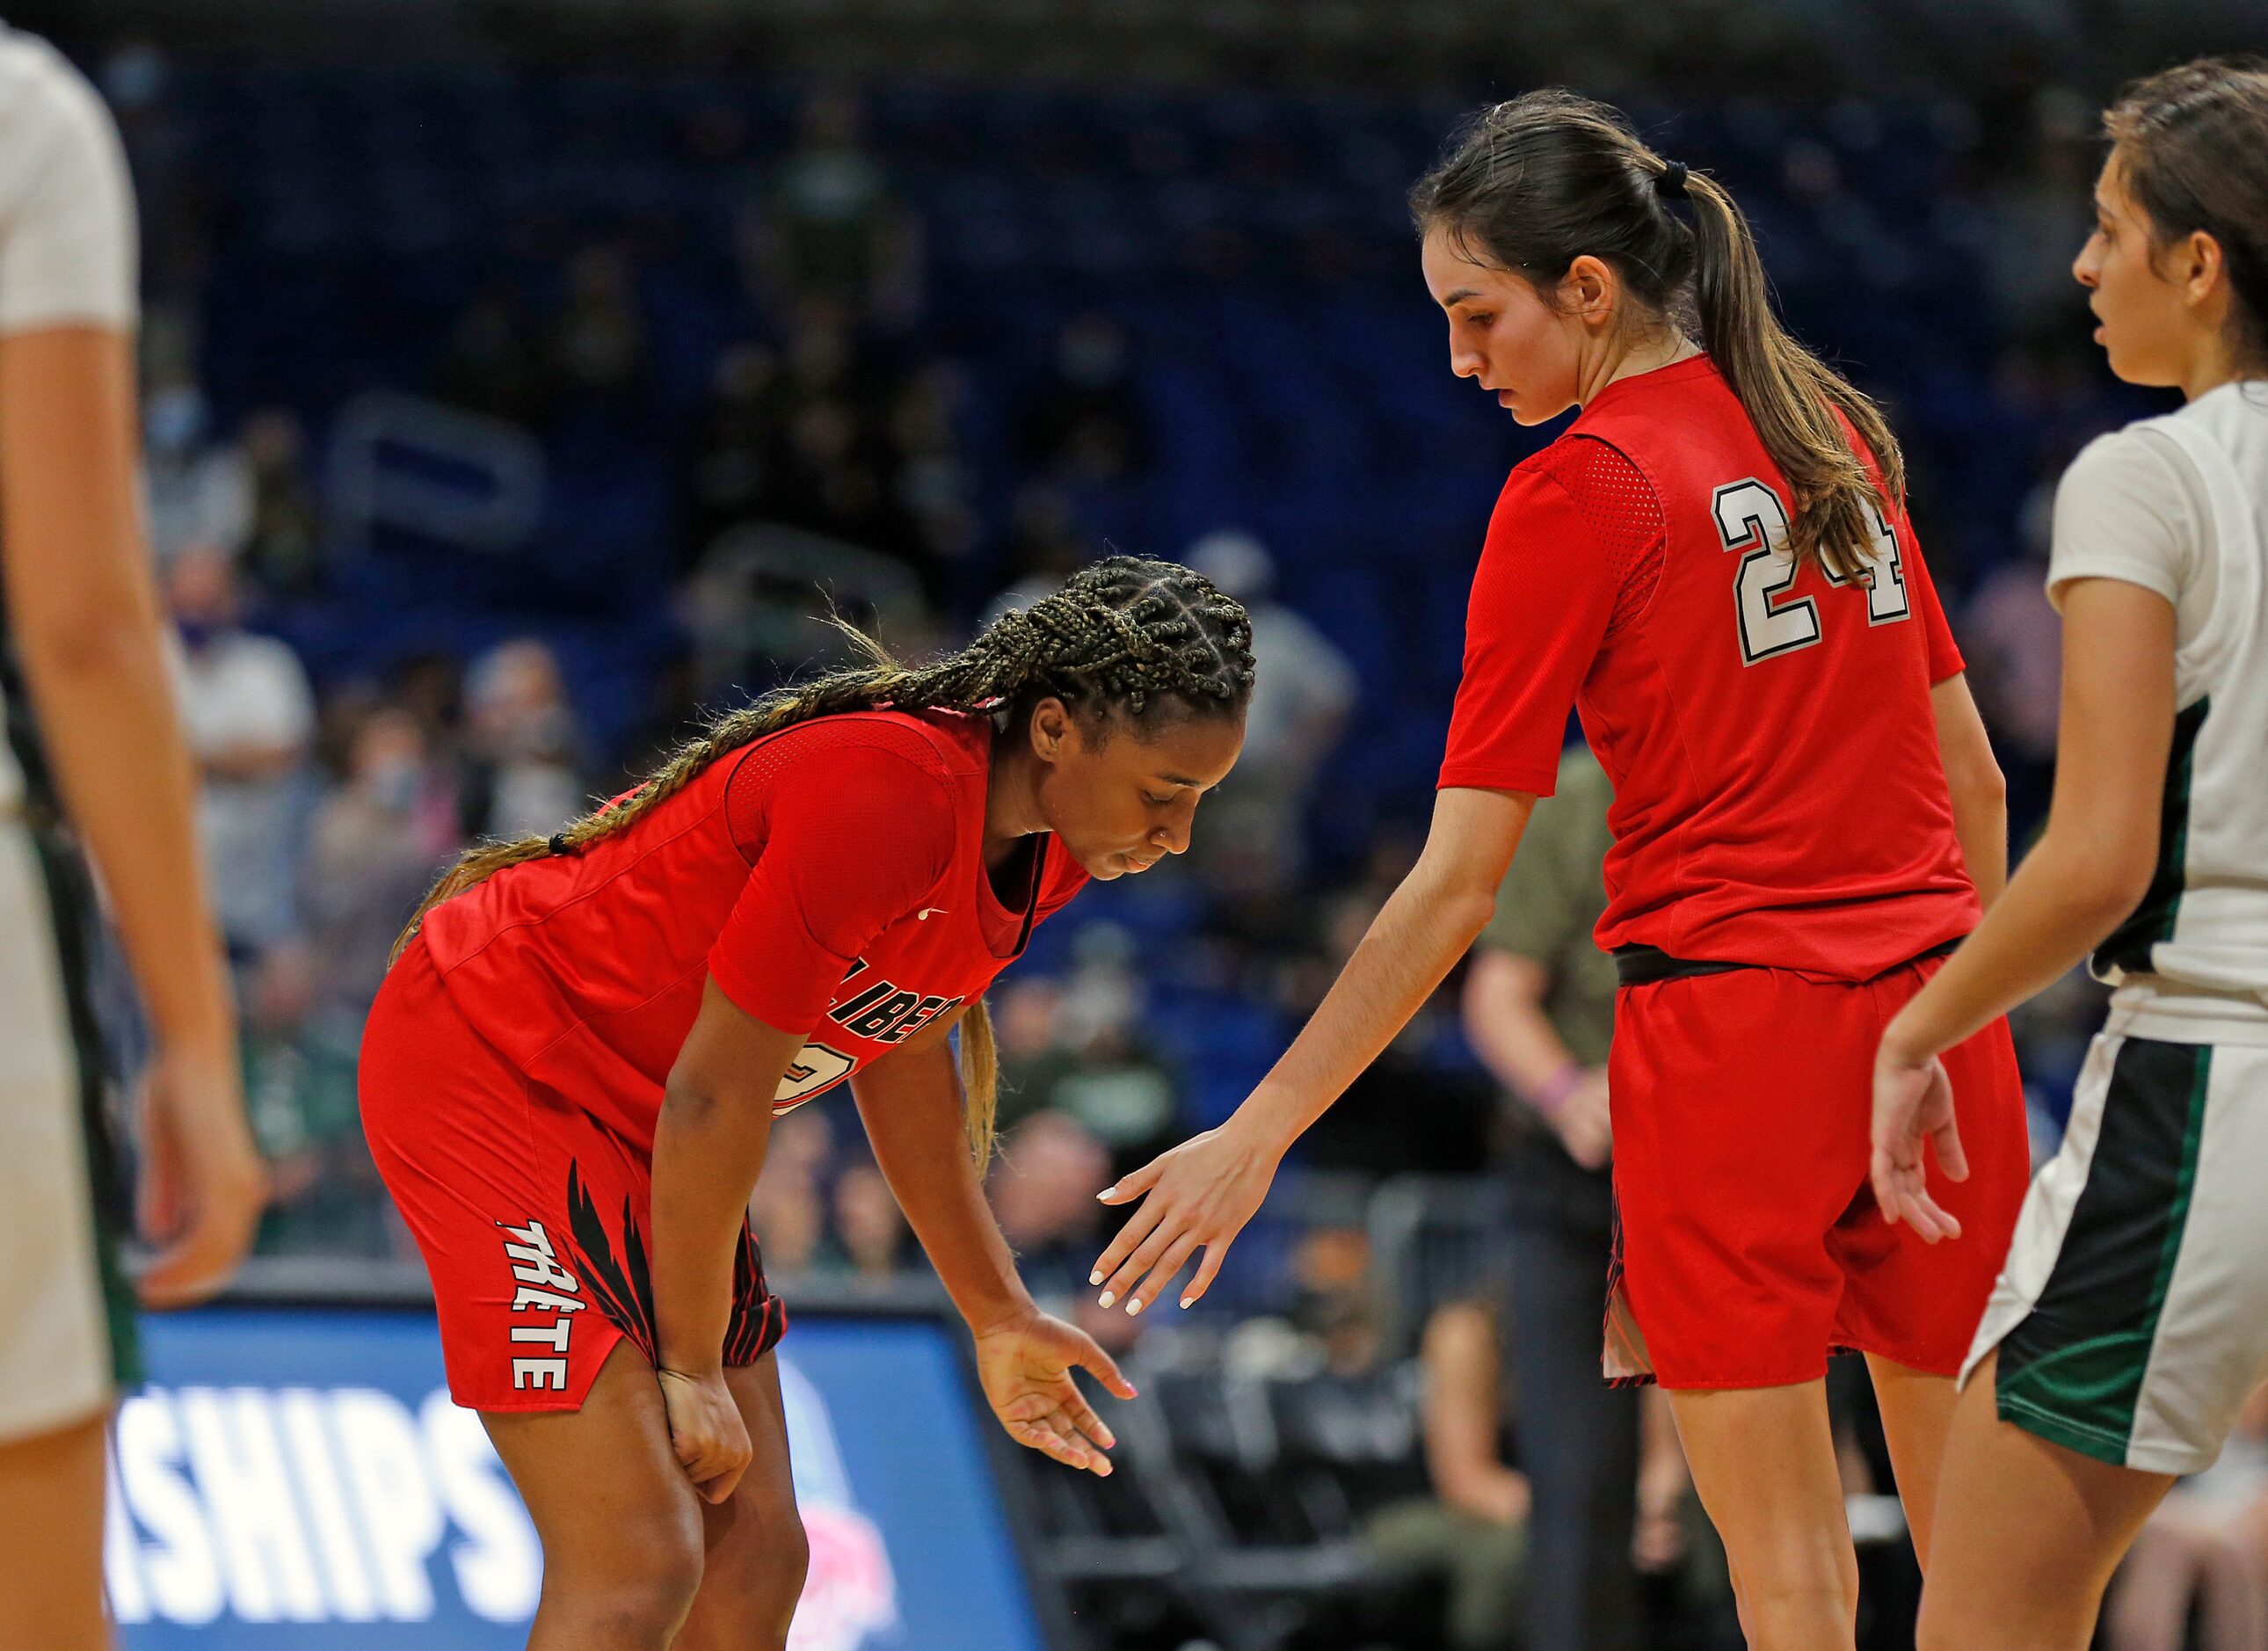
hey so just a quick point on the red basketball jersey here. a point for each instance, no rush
(1780, 799)
(830, 877)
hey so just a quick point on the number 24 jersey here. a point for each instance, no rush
(1780, 796)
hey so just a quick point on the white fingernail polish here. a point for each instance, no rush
(1105, 1298)
(1134, 1307)
(1095, 1277)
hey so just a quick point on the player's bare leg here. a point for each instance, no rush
(1763, 1463)
(756, 1549)
(2028, 1534)
(621, 1523)
(51, 1488)
(1917, 1412)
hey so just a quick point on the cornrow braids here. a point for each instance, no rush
(1126, 636)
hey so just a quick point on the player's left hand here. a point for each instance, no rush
(1024, 1365)
(1913, 1104)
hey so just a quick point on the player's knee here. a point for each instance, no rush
(756, 1578)
(641, 1592)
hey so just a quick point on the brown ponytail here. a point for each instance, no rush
(1125, 637)
(1533, 184)
(1789, 393)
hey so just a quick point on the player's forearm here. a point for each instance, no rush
(1505, 1024)
(914, 1121)
(2064, 900)
(83, 615)
(1423, 929)
(1980, 824)
(107, 711)
(707, 1154)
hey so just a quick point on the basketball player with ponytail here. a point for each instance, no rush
(572, 1070)
(1713, 565)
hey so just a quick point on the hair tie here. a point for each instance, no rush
(1669, 182)
(559, 844)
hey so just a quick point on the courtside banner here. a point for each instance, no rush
(298, 1477)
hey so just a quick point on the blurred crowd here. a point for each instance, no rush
(828, 446)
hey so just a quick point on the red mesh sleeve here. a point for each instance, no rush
(1624, 513)
(1574, 554)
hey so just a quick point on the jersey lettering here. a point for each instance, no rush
(882, 1016)
(926, 1011)
(843, 1014)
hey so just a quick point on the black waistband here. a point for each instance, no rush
(1643, 965)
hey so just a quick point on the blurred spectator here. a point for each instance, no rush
(2014, 642)
(787, 1209)
(371, 857)
(284, 547)
(869, 1228)
(1043, 548)
(494, 363)
(199, 491)
(833, 227)
(2203, 1553)
(834, 481)
(732, 459)
(1473, 1532)
(1420, 1107)
(932, 485)
(1084, 420)
(1075, 1049)
(2035, 211)
(251, 718)
(597, 348)
(1302, 690)
(523, 744)
(1539, 1010)
(1042, 1190)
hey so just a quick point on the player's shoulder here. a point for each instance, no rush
(930, 743)
(2143, 459)
(43, 100)
(1585, 464)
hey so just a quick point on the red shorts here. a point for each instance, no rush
(531, 1216)
(1750, 1247)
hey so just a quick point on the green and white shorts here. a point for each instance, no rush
(66, 1325)
(2132, 1316)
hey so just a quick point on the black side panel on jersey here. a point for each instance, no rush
(42, 804)
(2132, 941)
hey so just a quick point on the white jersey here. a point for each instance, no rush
(2179, 505)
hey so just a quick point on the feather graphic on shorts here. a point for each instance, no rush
(624, 1292)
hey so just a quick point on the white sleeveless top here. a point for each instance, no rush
(2179, 505)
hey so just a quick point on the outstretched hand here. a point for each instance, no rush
(1913, 1104)
(1024, 1366)
(1200, 1193)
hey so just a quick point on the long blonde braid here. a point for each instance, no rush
(1123, 635)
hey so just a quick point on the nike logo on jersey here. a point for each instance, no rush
(927, 913)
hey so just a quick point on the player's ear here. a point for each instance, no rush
(1049, 729)
(1588, 290)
